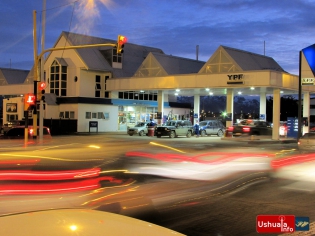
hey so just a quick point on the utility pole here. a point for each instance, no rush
(35, 72)
(42, 60)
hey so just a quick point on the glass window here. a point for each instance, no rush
(100, 115)
(87, 115)
(98, 79)
(55, 74)
(71, 114)
(61, 114)
(94, 115)
(106, 115)
(67, 115)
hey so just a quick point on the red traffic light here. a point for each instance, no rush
(42, 85)
(122, 39)
(30, 99)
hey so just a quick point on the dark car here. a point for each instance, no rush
(175, 128)
(211, 127)
(19, 131)
(251, 127)
(7, 126)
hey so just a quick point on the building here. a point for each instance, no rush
(97, 84)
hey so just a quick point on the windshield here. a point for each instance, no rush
(140, 124)
(170, 123)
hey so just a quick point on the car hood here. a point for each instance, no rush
(77, 222)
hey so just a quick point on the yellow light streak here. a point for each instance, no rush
(161, 145)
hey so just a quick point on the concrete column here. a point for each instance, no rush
(306, 111)
(229, 106)
(276, 114)
(160, 100)
(196, 106)
(262, 105)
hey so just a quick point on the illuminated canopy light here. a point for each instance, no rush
(239, 92)
(177, 90)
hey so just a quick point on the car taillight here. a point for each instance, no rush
(230, 129)
(31, 131)
(246, 129)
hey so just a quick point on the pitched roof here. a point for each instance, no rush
(13, 76)
(252, 61)
(95, 58)
(178, 65)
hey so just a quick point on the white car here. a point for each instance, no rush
(140, 129)
(78, 222)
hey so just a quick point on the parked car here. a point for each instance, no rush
(19, 131)
(7, 126)
(307, 142)
(175, 128)
(251, 127)
(141, 129)
(211, 127)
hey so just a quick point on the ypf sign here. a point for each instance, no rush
(308, 81)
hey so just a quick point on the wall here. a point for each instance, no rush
(103, 125)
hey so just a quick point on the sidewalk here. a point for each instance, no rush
(258, 139)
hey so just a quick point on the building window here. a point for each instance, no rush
(87, 115)
(117, 57)
(138, 95)
(66, 114)
(106, 115)
(106, 94)
(58, 79)
(100, 115)
(98, 87)
(93, 115)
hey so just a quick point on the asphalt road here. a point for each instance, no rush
(227, 206)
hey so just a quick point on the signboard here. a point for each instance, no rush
(308, 81)
(196, 115)
(262, 117)
(292, 123)
(93, 124)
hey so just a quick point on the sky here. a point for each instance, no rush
(275, 28)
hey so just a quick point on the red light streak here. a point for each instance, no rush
(296, 159)
(53, 188)
(48, 175)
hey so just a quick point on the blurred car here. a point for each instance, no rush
(251, 127)
(297, 168)
(7, 126)
(208, 166)
(18, 132)
(307, 142)
(211, 127)
(140, 129)
(78, 222)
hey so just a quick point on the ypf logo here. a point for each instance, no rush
(275, 223)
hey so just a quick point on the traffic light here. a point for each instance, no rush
(121, 40)
(41, 91)
(29, 101)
